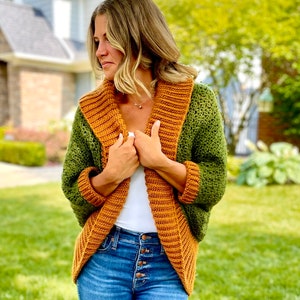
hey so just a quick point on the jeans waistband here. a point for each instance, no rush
(137, 237)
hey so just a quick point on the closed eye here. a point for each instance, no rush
(96, 43)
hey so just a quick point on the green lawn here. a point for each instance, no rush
(251, 251)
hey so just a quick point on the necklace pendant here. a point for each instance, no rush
(139, 106)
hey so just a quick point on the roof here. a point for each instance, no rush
(27, 32)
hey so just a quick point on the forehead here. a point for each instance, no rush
(100, 25)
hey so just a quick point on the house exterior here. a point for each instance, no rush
(270, 130)
(44, 67)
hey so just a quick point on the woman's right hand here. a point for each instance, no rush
(122, 163)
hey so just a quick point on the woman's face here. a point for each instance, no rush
(108, 56)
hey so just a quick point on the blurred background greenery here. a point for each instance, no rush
(249, 52)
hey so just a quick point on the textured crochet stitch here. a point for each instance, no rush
(191, 133)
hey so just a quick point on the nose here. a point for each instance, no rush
(101, 50)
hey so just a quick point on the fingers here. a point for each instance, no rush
(119, 141)
(155, 129)
(130, 139)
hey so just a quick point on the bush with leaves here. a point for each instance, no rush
(233, 167)
(287, 104)
(55, 140)
(277, 164)
(23, 153)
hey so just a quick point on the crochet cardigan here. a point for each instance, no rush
(191, 133)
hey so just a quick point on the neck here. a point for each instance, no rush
(145, 77)
(142, 96)
(138, 100)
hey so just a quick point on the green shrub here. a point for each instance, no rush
(277, 164)
(2, 132)
(54, 139)
(233, 167)
(23, 153)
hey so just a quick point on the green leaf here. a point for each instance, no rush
(261, 182)
(280, 176)
(247, 164)
(265, 171)
(241, 179)
(294, 174)
(263, 158)
(282, 149)
(251, 177)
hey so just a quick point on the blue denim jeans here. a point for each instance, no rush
(130, 265)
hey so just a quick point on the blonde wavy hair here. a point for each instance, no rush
(139, 30)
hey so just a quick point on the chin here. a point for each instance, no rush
(109, 77)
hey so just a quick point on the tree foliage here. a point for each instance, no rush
(225, 39)
(287, 104)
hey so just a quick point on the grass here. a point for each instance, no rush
(37, 232)
(251, 250)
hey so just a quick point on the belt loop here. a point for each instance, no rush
(116, 237)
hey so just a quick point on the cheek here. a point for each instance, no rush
(120, 58)
(118, 55)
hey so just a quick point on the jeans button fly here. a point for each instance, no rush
(142, 263)
(144, 250)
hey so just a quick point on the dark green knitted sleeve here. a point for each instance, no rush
(202, 141)
(83, 152)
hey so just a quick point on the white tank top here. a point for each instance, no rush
(136, 214)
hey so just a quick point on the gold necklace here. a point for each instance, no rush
(140, 105)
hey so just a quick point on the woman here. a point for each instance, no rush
(145, 163)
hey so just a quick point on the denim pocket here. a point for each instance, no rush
(106, 244)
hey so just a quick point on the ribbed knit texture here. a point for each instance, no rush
(176, 218)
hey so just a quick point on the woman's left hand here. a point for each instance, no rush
(149, 148)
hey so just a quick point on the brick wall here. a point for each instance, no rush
(14, 99)
(4, 115)
(39, 96)
(269, 131)
(32, 97)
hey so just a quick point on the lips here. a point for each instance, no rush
(105, 64)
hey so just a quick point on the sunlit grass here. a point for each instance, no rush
(37, 232)
(251, 250)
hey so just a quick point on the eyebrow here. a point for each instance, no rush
(95, 37)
